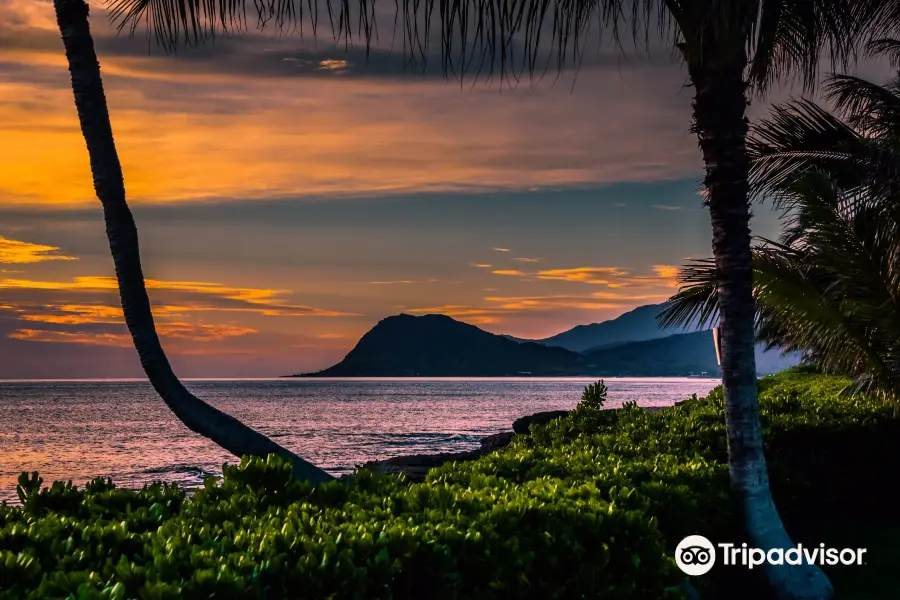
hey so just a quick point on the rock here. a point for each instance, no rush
(522, 425)
(417, 466)
(497, 441)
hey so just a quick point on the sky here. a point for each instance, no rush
(289, 194)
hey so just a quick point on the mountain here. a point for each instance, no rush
(640, 325)
(634, 326)
(438, 346)
(672, 356)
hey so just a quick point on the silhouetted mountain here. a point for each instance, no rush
(634, 326)
(438, 346)
(640, 324)
(673, 356)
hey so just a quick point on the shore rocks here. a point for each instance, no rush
(416, 466)
(497, 441)
(522, 425)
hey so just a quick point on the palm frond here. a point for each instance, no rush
(696, 302)
(790, 36)
(783, 38)
(800, 136)
(888, 47)
(872, 108)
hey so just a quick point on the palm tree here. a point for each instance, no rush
(90, 101)
(829, 287)
(729, 46)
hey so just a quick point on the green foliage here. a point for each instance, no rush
(587, 506)
(594, 396)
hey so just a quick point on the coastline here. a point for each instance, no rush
(417, 466)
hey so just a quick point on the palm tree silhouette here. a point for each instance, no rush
(828, 287)
(90, 102)
(730, 47)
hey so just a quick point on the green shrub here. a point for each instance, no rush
(587, 506)
(261, 535)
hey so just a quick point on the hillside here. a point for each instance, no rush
(438, 346)
(673, 356)
(634, 326)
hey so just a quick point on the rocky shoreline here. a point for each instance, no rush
(416, 466)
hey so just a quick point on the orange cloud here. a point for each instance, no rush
(667, 271)
(202, 332)
(513, 272)
(263, 301)
(194, 332)
(549, 302)
(80, 314)
(597, 275)
(482, 265)
(74, 314)
(500, 249)
(16, 252)
(514, 304)
(629, 297)
(97, 339)
(389, 282)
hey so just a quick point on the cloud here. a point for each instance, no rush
(668, 275)
(500, 249)
(75, 314)
(666, 207)
(388, 282)
(266, 302)
(667, 271)
(275, 118)
(611, 277)
(630, 297)
(528, 260)
(596, 275)
(482, 265)
(16, 252)
(79, 311)
(69, 337)
(193, 332)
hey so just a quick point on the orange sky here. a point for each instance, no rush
(288, 198)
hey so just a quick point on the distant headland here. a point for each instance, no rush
(630, 345)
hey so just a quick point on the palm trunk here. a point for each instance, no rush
(200, 417)
(719, 115)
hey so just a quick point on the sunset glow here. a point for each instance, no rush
(289, 196)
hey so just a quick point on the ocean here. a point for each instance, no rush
(78, 430)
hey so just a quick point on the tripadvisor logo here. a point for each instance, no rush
(696, 555)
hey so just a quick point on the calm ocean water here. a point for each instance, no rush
(120, 429)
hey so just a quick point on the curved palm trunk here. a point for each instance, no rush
(720, 102)
(200, 417)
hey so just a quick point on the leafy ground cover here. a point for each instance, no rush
(585, 507)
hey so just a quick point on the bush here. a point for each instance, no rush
(587, 506)
(261, 535)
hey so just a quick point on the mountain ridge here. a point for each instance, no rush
(437, 345)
